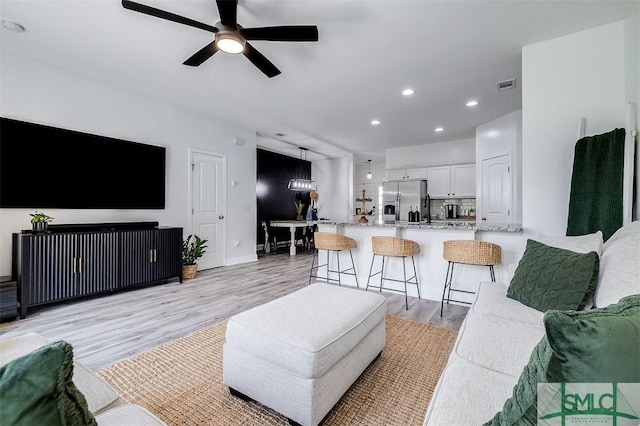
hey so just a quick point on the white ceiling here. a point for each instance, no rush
(329, 91)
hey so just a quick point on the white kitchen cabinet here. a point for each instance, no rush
(407, 174)
(452, 181)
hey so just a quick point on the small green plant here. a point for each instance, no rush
(40, 217)
(193, 247)
(299, 206)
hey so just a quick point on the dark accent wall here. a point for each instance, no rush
(275, 200)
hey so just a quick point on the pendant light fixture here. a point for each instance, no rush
(369, 174)
(299, 184)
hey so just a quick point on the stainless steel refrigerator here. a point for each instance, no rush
(399, 197)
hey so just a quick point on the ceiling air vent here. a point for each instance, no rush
(507, 84)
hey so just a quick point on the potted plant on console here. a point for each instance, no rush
(40, 221)
(193, 247)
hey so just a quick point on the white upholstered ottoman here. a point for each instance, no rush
(300, 353)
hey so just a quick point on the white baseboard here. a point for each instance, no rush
(239, 260)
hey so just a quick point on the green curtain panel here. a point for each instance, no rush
(595, 202)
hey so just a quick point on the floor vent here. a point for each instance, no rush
(507, 84)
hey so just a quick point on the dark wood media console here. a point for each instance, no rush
(73, 261)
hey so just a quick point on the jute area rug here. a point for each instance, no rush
(181, 382)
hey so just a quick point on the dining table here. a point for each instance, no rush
(292, 225)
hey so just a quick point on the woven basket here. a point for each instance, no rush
(189, 271)
(330, 241)
(472, 252)
(393, 246)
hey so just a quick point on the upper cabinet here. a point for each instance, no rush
(406, 174)
(451, 181)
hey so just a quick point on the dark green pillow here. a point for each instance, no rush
(554, 278)
(521, 407)
(37, 389)
(595, 346)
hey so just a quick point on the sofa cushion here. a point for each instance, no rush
(595, 346)
(467, 394)
(496, 343)
(128, 414)
(98, 393)
(38, 389)
(619, 266)
(521, 407)
(340, 317)
(553, 278)
(579, 243)
(491, 299)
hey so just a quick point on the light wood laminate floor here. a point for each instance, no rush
(107, 329)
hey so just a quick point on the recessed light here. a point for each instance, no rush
(11, 26)
(408, 92)
(472, 103)
(439, 129)
(375, 122)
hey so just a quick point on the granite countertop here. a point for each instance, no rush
(454, 225)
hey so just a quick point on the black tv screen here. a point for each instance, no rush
(49, 167)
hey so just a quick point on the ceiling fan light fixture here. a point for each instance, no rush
(229, 42)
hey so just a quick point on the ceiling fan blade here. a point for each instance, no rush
(283, 33)
(260, 61)
(202, 55)
(228, 10)
(148, 10)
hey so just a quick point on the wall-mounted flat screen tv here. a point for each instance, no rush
(48, 167)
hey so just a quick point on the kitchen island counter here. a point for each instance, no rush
(460, 225)
(431, 265)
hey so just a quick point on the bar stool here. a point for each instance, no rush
(333, 243)
(394, 247)
(468, 252)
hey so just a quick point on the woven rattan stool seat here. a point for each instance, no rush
(336, 243)
(472, 252)
(468, 252)
(394, 247)
(330, 241)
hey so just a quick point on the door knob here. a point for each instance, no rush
(484, 218)
(220, 217)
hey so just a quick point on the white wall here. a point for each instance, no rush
(497, 137)
(32, 91)
(377, 169)
(334, 178)
(432, 154)
(584, 74)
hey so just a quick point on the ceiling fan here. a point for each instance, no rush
(231, 37)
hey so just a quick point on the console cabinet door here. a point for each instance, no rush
(168, 254)
(49, 271)
(136, 257)
(150, 255)
(96, 262)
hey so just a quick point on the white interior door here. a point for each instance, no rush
(208, 206)
(497, 198)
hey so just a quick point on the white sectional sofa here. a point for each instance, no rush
(499, 333)
(103, 401)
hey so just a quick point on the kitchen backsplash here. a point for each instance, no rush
(466, 208)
